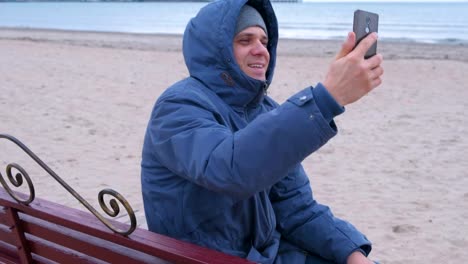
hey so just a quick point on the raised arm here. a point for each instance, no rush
(189, 138)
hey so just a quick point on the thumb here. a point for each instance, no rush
(347, 46)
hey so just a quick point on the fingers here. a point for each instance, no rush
(374, 61)
(376, 82)
(374, 77)
(365, 44)
(375, 73)
(347, 46)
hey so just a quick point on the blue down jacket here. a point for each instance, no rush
(221, 160)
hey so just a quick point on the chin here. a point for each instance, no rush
(258, 77)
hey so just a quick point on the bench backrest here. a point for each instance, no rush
(39, 231)
(45, 232)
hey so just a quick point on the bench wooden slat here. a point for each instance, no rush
(3, 218)
(6, 236)
(7, 261)
(5, 233)
(62, 237)
(58, 255)
(156, 246)
(18, 234)
(8, 253)
(64, 247)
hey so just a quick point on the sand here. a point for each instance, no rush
(396, 170)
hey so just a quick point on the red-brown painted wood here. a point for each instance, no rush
(57, 254)
(18, 234)
(6, 236)
(79, 243)
(8, 260)
(3, 218)
(53, 222)
(8, 253)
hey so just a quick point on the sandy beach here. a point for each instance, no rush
(396, 170)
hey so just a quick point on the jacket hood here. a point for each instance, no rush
(209, 56)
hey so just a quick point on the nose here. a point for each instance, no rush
(259, 48)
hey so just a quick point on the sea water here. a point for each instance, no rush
(444, 22)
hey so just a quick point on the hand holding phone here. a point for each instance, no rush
(365, 23)
(353, 73)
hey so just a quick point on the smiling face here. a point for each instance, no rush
(251, 53)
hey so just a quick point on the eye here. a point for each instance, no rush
(244, 41)
(264, 41)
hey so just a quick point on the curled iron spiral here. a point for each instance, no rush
(17, 181)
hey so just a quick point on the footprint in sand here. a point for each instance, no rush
(404, 228)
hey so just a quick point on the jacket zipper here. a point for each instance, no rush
(265, 87)
(246, 112)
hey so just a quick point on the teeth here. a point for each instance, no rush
(256, 65)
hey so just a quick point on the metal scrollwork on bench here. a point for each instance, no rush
(17, 181)
(22, 175)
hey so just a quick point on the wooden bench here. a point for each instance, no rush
(33, 230)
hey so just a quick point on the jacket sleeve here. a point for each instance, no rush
(189, 137)
(310, 225)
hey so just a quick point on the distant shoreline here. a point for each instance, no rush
(392, 50)
(447, 42)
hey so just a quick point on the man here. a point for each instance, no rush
(221, 160)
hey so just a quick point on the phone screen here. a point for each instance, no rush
(365, 23)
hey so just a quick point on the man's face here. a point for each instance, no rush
(251, 52)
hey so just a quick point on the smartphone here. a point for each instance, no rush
(365, 23)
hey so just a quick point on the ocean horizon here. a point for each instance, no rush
(424, 22)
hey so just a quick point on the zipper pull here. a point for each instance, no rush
(265, 87)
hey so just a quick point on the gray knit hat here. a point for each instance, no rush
(249, 17)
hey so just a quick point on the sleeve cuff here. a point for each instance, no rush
(326, 103)
(365, 250)
(360, 250)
